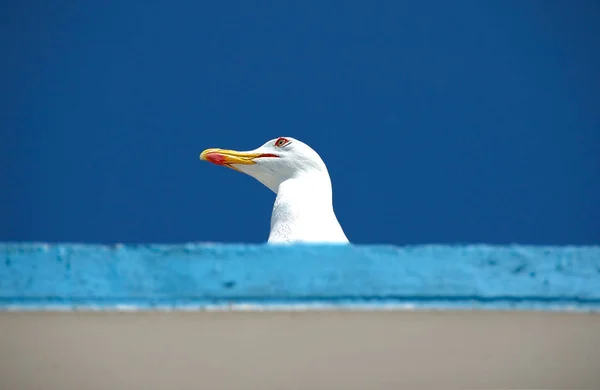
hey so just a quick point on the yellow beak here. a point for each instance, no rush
(226, 157)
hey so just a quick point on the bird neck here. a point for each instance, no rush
(310, 191)
(303, 211)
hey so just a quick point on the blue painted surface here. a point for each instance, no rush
(204, 275)
(452, 121)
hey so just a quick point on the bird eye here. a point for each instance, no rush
(281, 141)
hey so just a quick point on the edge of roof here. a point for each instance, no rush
(206, 276)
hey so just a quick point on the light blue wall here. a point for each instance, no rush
(202, 276)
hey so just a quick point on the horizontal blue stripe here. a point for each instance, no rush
(478, 276)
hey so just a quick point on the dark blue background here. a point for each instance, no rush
(440, 121)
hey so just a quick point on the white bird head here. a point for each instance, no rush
(273, 163)
(303, 209)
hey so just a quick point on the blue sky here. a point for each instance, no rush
(440, 122)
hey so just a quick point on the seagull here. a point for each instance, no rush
(303, 209)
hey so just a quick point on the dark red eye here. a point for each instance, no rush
(281, 141)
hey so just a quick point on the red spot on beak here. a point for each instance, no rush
(216, 158)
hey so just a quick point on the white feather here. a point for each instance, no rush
(303, 209)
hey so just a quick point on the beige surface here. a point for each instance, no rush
(312, 350)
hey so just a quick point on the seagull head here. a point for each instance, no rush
(274, 162)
